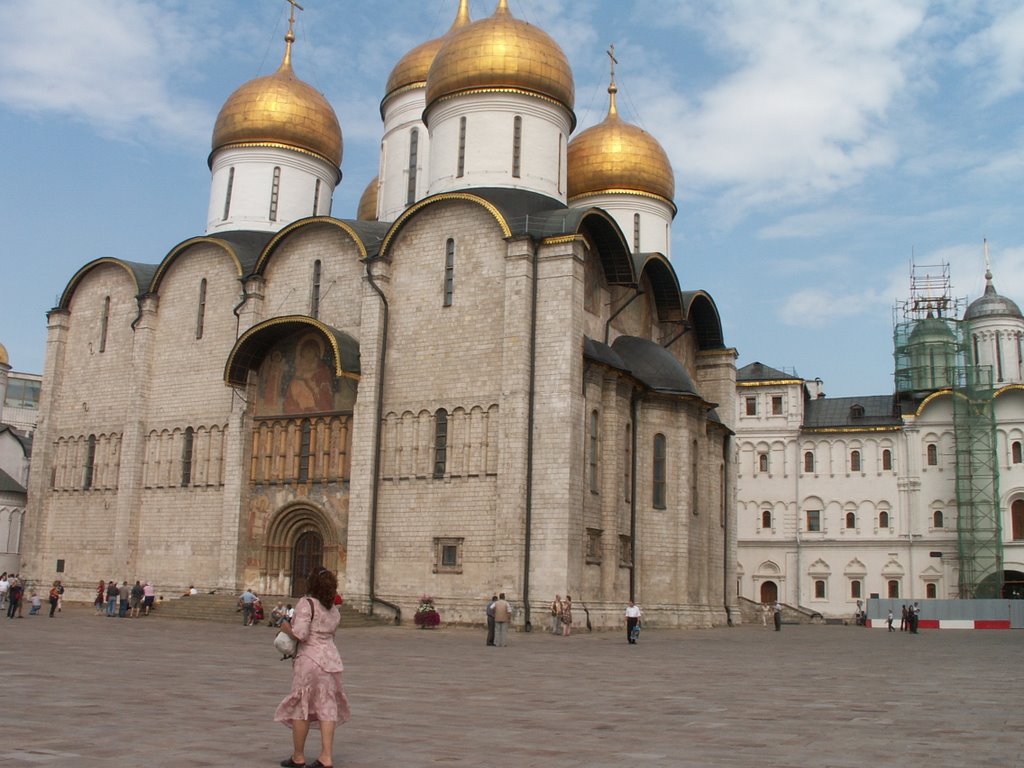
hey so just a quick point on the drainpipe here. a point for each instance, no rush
(528, 523)
(633, 410)
(375, 473)
(726, 576)
(608, 325)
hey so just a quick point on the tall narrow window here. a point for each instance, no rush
(104, 323)
(186, 457)
(894, 588)
(819, 589)
(762, 462)
(883, 519)
(227, 194)
(561, 154)
(855, 588)
(851, 520)
(855, 461)
(627, 480)
(449, 272)
(1015, 451)
(90, 462)
(937, 521)
(593, 452)
(1017, 520)
(808, 461)
(201, 311)
(933, 455)
(999, 358)
(440, 442)
(694, 487)
(314, 294)
(658, 478)
(930, 590)
(461, 169)
(776, 405)
(305, 450)
(974, 346)
(316, 197)
(766, 519)
(275, 189)
(887, 460)
(414, 149)
(751, 406)
(636, 233)
(517, 146)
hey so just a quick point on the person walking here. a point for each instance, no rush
(54, 597)
(566, 616)
(502, 617)
(317, 695)
(490, 619)
(556, 615)
(632, 621)
(888, 621)
(777, 616)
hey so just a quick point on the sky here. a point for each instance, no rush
(820, 148)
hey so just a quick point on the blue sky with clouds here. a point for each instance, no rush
(818, 146)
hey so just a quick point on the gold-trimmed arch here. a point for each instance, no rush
(253, 345)
(933, 396)
(183, 246)
(76, 279)
(400, 222)
(1009, 388)
(276, 240)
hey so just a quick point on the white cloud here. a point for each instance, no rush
(998, 52)
(817, 307)
(113, 68)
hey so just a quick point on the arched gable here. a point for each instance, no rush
(366, 236)
(139, 274)
(178, 250)
(700, 310)
(253, 345)
(427, 202)
(928, 400)
(664, 284)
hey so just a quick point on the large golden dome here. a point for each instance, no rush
(280, 110)
(367, 210)
(501, 53)
(411, 70)
(4, 359)
(616, 156)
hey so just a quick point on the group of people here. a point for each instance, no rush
(124, 601)
(775, 611)
(251, 606)
(908, 619)
(561, 616)
(13, 597)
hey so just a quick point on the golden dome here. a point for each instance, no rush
(616, 156)
(367, 210)
(4, 359)
(501, 53)
(280, 110)
(411, 70)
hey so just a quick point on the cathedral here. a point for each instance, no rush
(490, 379)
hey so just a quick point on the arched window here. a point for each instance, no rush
(104, 324)
(933, 455)
(766, 519)
(449, 272)
(808, 461)
(937, 521)
(855, 461)
(517, 146)
(762, 462)
(658, 479)
(883, 519)
(440, 442)
(1017, 520)
(887, 460)
(186, 457)
(930, 590)
(1015, 451)
(275, 190)
(227, 194)
(316, 197)
(851, 520)
(593, 452)
(893, 587)
(314, 294)
(855, 588)
(201, 311)
(636, 233)
(414, 145)
(819, 589)
(90, 462)
(460, 170)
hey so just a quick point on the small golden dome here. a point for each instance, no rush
(501, 52)
(411, 70)
(280, 110)
(616, 156)
(367, 210)
(4, 359)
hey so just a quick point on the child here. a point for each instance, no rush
(37, 603)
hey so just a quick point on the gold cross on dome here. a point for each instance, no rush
(614, 61)
(291, 17)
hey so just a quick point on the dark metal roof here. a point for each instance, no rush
(654, 365)
(991, 304)
(700, 310)
(9, 485)
(664, 284)
(247, 245)
(833, 412)
(603, 354)
(762, 372)
(23, 437)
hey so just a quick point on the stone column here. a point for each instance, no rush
(614, 413)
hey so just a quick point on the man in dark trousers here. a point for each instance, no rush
(490, 619)
(777, 610)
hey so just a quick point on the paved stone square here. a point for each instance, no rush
(81, 690)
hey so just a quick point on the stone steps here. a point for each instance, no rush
(224, 609)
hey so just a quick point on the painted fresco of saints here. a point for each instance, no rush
(311, 388)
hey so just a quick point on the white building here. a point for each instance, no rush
(19, 395)
(911, 495)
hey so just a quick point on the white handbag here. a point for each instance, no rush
(286, 644)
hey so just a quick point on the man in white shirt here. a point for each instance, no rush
(5, 587)
(632, 622)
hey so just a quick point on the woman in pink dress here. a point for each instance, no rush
(317, 696)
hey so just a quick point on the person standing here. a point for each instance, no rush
(14, 596)
(765, 610)
(245, 601)
(556, 614)
(777, 615)
(317, 695)
(490, 619)
(903, 620)
(5, 586)
(888, 621)
(148, 596)
(914, 614)
(136, 598)
(54, 597)
(123, 595)
(502, 617)
(112, 593)
(99, 602)
(566, 616)
(632, 621)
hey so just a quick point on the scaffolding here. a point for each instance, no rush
(933, 351)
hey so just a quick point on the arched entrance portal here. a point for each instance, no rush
(307, 554)
(769, 592)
